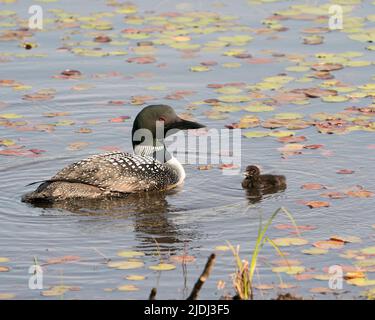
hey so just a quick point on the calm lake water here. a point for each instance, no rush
(211, 208)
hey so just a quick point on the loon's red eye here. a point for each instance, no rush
(161, 119)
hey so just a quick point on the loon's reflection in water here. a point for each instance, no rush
(150, 213)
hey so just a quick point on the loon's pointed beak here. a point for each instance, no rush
(181, 124)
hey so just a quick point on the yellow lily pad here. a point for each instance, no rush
(126, 265)
(130, 254)
(289, 270)
(222, 248)
(199, 69)
(369, 251)
(10, 116)
(135, 277)
(255, 134)
(288, 116)
(128, 287)
(163, 267)
(314, 251)
(361, 282)
(281, 134)
(285, 242)
(334, 98)
(358, 63)
(297, 69)
(259, 108)
(6, 296)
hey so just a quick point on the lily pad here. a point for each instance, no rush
(285, 242)
(130, 254)
(126, 265)
(163, 267)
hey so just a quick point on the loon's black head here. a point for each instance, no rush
(155, 122)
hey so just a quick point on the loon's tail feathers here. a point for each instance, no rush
(51, 191)
(40, 195)
(40, 181)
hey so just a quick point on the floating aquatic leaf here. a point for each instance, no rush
(163, 267)
(361, 282)
(6, 296)
(297, 69)
(314, 39)
(183, 259)
(317, 204)
(120, 119)
(71, 73)
(336, 98)
(200, 69)
(333, 195)
(205, 167)
(314, 251)
(125, 265)
(279, 134)
(134, 277)
(346, 239)
(313, 186)
(289, 270)
(255, 134)
(264, 286)
(130, 254)
(259, 108)
(222, 248)
(327, 66)
(328, 244)
(233, 98)
(322, 277)
(142, 60)
(292, 139)
(321, 290)
(287, 262)
(228, 166)
(4, 269)
(345, 171)
(293, 227)
(10, 116)
(354, 275)
(360, 193)
(128, 287)
(84, 130)
(38, 96)
(358, 63)
(288, 116)
(285, 242)
(77, 145)
(64, 259)
(368, 251)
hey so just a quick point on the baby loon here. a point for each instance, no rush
(255, 180)
(150, 168)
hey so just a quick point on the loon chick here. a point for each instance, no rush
(255, 180)
(150, 168)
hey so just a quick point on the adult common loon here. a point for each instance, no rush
(113, 174)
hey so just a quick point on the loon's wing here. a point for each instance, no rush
(119, 172)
